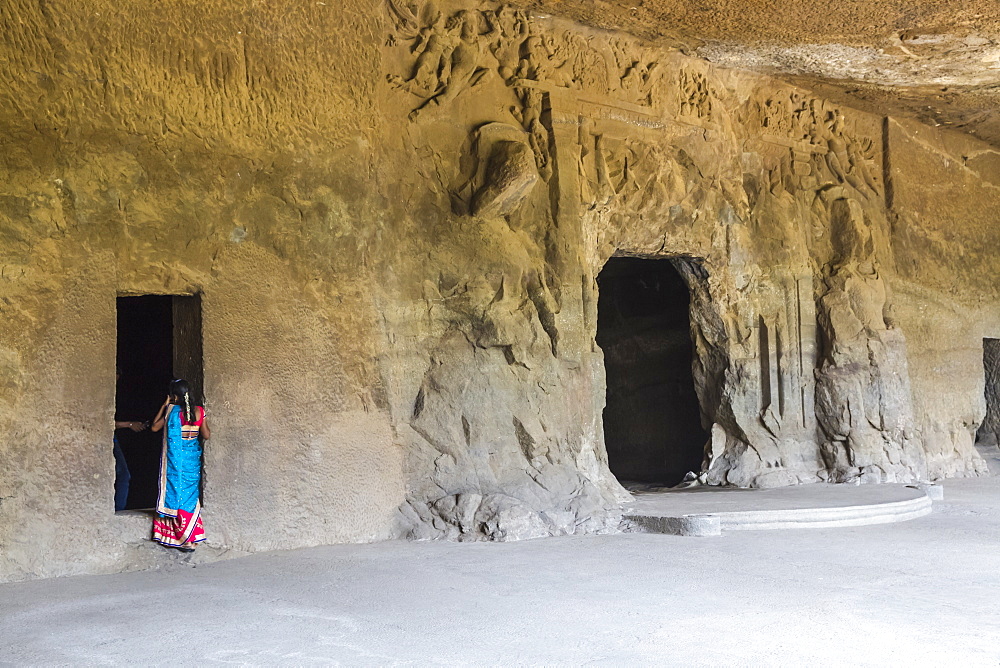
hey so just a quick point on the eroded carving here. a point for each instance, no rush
(506, 170)
(450, 61)
(594, 107)
(628, 176)
(452, 54)
(433, 45)
(636, 76)
(863, 402)
(695, 96)
(448, 56)
(815, 147)
(404, 19)
(509, 29)
(529, 115)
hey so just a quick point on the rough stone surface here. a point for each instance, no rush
(937, 62)
(161, 150)
(395, 214)
(862, 385)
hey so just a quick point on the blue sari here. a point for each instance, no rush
(179, 503)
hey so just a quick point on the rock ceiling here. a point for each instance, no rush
(934, 60)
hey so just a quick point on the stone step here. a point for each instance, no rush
(705, 511)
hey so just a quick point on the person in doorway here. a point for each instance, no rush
(179, 504)
(122, 475)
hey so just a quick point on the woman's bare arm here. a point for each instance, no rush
(206, 433)
(160, 417)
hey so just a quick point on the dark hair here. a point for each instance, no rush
(181, 389)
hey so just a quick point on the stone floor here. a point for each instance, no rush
(922, 592)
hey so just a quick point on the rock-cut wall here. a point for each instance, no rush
(560, 147)
(191, 148)
(395, 214)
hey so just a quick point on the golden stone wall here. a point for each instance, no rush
(395, 213)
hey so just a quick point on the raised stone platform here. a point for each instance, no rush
(708, 511)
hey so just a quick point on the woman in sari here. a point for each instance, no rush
(179, 504)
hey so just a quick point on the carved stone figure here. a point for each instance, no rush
(843, 162)
(589, 66)
(529, 115)
(820, 149)
(432, 70)
(863, 402)
(696, 97)
(639, 81)
(543, 61)
(631, 177)
(450, 61)
(509, 29)
(404, 18)
(507, 170)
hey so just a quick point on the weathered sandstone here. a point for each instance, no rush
(396, 214)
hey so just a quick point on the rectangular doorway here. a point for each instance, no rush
(159, 339)
(652, 418)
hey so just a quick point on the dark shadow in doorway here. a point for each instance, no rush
(159, 339)
(652, 419)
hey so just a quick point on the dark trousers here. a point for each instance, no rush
(122, 478)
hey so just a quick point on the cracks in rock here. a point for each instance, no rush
(418, 404)
(930, 148)
(546, 308)
(435, 443)
(508, 354)
(751, 446)
(524, 439)
(888, 184)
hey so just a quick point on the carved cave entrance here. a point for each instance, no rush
(652, 418)
(989, 430)
(159, 339)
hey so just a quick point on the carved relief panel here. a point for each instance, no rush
(811, 144)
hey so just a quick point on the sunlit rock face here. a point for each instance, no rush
(938, 62)
(396, 215)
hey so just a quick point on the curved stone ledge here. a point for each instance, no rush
(707, 512)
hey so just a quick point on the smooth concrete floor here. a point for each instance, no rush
(919, 593)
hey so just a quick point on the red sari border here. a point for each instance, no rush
(176, 531)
